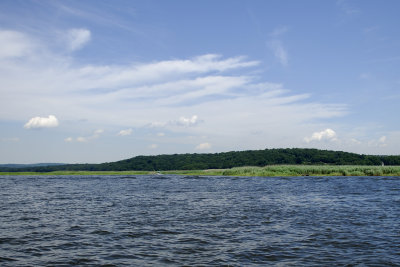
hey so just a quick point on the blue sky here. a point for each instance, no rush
(99, 81)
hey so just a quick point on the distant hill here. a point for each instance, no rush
(226, 160)
(18, 166)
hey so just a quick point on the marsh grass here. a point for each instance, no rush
(312, 170)
(298, 170)
(271, 171)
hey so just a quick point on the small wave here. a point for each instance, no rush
(75, 228)
(12, 241)
(5, 259)
(80, 261)
(127, 177)
(26, 218)
(166, 232)
(101, 232)
(120, 256)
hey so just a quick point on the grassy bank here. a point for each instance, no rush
(310, 170)
(273, 170)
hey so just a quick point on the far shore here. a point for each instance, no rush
(267, 171)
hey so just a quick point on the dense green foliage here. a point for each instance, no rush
(226, 160)
(272, 170)
(247, 158)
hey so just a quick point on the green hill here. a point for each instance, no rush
(22, 166)
(226, 160)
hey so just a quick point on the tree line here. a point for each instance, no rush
(224, 160)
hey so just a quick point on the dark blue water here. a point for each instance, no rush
(199, 221)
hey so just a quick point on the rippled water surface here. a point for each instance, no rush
(199, 221)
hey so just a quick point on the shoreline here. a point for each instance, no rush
(267, 171)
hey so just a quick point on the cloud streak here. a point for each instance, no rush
(78, 38)
(279, 51)
(347, 7)
(276, 46)
(83, 139)
(13, 44)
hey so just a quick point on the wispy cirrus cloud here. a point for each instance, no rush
(14, 44)
(275, 44)
(221, 97)
(380, 142)
(347, 7)
(279, 31)
(279, 51)
(77, 38)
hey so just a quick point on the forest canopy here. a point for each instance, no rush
(299, 156)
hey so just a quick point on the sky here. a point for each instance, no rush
(101, 81)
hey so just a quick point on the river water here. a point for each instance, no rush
(199, 221)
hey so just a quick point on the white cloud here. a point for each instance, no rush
(224, 98)
(82, 139)
(187, 122)
(42, 122)
(160, 134)
(182, 121)
(78, 38)
(279, 51)
(153, 146)
(203, 146)
(355, 141)
(327, 134)
(125, 132)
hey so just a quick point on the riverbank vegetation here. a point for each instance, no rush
(303, 170)
(267, 171)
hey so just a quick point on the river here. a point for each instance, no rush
(170, 220)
